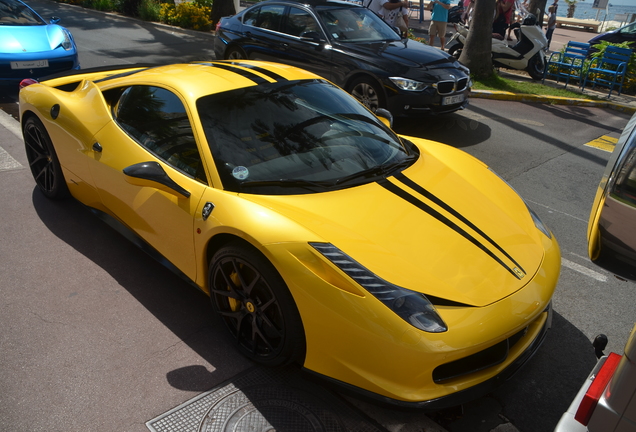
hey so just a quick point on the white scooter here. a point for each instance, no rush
(527, 54)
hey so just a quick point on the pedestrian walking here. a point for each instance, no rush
(439, 18)
(503, 17)
(551, 25)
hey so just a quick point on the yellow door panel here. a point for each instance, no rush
(162, 217)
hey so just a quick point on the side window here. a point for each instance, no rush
(625, 186)
(270, 17)
(157, 120)
(300, 22)
(251, 17)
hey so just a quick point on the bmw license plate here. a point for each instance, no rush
(452, 100)
(34, 64)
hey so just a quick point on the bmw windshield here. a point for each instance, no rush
(355, 24)
(297, 137)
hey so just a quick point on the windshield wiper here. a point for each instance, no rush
(307, 184)
(379, 171)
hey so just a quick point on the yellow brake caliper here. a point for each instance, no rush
(234, 303)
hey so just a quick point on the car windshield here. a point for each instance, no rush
(352, 24)
(297, 137)
(14, 13)
(629, 29)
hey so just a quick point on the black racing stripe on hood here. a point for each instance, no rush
(247, 74)
(443, 219)
(259, 69)
(419, 189)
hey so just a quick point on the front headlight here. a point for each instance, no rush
(412, 307)
(539, 223)
(408, 84)
(67, 44)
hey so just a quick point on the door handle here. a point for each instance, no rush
(97, 147)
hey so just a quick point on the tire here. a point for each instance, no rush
(536, 66)
(456, 51)
(43, 162)
(235, 53)
(256, 306)
(368, 92)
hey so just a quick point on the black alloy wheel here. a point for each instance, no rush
(256, 306)
(43, 161)
(367, 91)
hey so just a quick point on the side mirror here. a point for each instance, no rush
(151, 174)
(54, 20)
(311, 36)
(385, 116)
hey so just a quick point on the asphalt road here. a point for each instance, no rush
(98, 336)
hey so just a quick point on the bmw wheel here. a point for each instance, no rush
(235, 54)
(367, 91)
(256, 306)
(43, 162)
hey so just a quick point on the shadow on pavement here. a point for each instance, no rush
(446, 128)
(183, 309)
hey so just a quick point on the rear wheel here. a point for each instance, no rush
(368, 92)
(456, 51)
(535, 66)
(256, 305)
(235, 53)
(43, 162)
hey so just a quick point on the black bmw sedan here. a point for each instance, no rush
(353, 48)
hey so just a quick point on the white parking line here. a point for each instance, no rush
(11, 124)
(7, 162)
(583, 270)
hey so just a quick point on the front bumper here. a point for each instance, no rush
(427, 102)
(56, 64)
(459, 397)
(352, 338)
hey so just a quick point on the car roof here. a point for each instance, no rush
(194, 80)
(314, 3)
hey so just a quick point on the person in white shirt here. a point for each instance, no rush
(392, 16)
(377, 6)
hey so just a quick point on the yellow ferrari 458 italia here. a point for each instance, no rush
(400, 268)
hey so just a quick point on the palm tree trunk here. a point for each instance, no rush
(477, 53)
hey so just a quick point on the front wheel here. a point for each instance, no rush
(256, 306)
(367, 91)
(536, 66)
(235, 53)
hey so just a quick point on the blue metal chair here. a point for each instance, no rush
(608, 70)
(567, 64)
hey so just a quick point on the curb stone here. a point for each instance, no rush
(555, 100)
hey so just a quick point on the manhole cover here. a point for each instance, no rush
(265, 400)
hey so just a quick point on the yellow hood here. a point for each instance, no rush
(447, 227)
